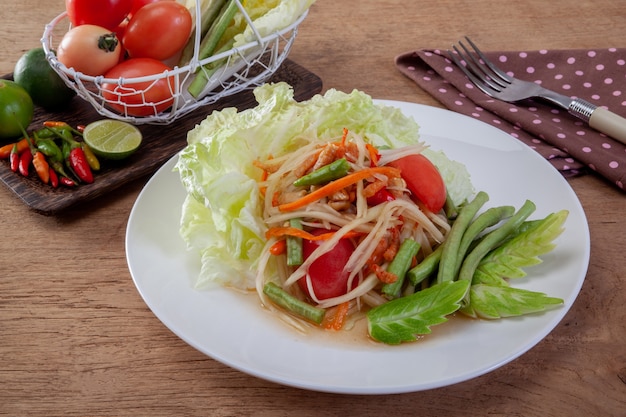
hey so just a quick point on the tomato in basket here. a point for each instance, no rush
(90, 49)
(138, 4)
(139, 98)
(105, 13)
(158, 30)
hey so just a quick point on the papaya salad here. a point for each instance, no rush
(334, 211)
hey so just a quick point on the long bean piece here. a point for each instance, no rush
(400, 265)
(290, 303)
(488, 218)
(449, 256)
(426, 268)
(491, 240)
(295, 255)
(210, 42)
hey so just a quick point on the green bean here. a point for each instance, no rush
(492, 240)
(449, 256)
(400, 265)
(426, 268)
(290, 303)
(294, 245)
(336, 169)
(490, 217)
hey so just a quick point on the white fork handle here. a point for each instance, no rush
(610, 123)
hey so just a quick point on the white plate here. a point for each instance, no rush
(231, 327)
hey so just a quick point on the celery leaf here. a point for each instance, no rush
(402, 319)
(521, 251)
(494, 302)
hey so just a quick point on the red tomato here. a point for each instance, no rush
(138, 4)
(327, 276)
(90, 49)
(158, 30)
(139, 98)
(105, 13)
(423, 180)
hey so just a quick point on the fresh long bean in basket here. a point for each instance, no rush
(209, 10)
(210, 41)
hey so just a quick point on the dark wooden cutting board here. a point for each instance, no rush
(159, 144)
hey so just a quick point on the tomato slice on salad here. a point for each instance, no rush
(328, 278)
(423, 180)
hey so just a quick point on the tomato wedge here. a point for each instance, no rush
(328, 278)
(423, 180)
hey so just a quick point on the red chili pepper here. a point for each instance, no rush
(26, 158)
(54, 179)
(14, 158)
(80, 165)
(279, 247)
(381, 196)
(67, 182)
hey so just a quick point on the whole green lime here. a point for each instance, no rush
(46, 88)
(16, 109)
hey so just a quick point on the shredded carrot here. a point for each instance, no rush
(279, 247)
(262, 190)
(264, 167)
(339, 184)
(337, 320)
(373, 153)
(344, 136)
(295, 232)
(275, 199)
(54, 123)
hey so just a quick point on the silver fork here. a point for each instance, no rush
(494, 82)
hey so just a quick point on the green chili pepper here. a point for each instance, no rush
(63, 132)
(49, 148)
(45, 133)
(336, 169)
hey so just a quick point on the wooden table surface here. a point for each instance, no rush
(76, 339)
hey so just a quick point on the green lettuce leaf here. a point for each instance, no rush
(402, 319)
(521, 251)
(494, 302)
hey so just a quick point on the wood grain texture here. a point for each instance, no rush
(76, 339)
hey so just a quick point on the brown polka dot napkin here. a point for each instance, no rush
(598, 76)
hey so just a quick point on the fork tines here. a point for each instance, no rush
(480, 70)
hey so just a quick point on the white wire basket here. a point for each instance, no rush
(243, 68)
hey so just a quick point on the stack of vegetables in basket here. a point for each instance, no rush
(139, 58)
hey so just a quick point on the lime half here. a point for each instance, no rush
(112, 139)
